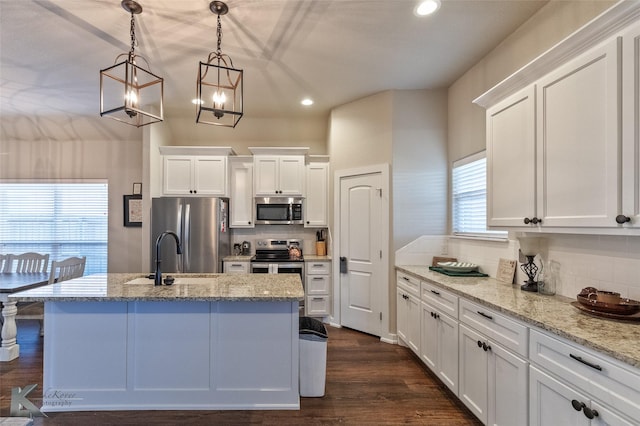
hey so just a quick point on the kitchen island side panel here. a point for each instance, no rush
(180, 355)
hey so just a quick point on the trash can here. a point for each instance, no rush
(313, 357)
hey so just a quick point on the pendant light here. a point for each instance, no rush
(129, 92)
(219, 87)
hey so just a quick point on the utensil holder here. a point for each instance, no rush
(321, 248)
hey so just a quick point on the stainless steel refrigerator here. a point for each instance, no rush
(202, 226)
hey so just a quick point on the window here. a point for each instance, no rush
(63, 219)
(469, 198)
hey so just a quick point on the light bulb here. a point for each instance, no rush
(131, 100)
(427, 7)
(219, 99)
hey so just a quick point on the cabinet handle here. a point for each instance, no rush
(318, 298)
(485, 315)
(437, 293)
(590, 364)
(622, 219)
(588, 412)
(236, 264)
(318, 278)
(533, 220)
(405, 278)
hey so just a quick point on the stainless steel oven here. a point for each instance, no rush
(266, 267)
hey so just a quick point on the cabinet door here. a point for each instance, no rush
(631, 126)
(511, 162)
(402, 313)
(508, 387)
(236, 267)
(413, 324)
(429, 342)
(266, 175)
(177, 175)
(578, 131)
(291, 178)
(448, 352)
(316, 210)
(210, 176)
(550, 402)
(608, 417)
(241, 203)
(473, 373)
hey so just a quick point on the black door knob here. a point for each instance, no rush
(622, 219)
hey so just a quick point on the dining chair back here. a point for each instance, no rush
(67, 269)
(5, 262)
(29, 262)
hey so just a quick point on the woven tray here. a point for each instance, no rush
(458, 274)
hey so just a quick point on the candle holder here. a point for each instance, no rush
(529, 248)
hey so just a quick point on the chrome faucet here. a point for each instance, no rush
(158, 274)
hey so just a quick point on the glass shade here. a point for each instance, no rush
(131, 94)
(219, 95)
(529, 246)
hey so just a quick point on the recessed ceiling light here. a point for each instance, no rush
(427, 7)
(307, 102)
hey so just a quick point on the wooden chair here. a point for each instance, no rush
(63, 270)
(29, 262)
(5, 262)
(67, 269)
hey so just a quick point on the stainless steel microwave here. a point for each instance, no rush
(279, 211)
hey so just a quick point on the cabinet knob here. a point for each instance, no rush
(479, 344)
(249, 222)
(622, 219)
(577, 405)
(307, 222)
(486, 347)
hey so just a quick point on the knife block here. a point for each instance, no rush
(321, 248)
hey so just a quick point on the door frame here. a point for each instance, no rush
(384, 170)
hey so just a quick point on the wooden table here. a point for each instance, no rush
(10, 283)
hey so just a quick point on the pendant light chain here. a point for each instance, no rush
(132, 32)
(219, 33)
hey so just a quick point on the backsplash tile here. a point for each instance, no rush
(605, 262)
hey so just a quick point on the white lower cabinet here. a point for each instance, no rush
(439, 345)
(493, 380)
(236, 267)
(408, 311)
(317, 288)
(572, 385)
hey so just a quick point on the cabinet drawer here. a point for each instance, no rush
(509, 333)
(607, 380)
(442, 299)
(317, 284)
(317, 305)
(408, 283)
(236, 267)
(318, 268)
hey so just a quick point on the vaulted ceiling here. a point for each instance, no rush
(334, 51)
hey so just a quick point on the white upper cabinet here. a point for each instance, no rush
(511, 160)
(280, 176)
(195, 175)
(563, 134)
(631, 128)
(241, 192)
(316, 203)
(578, 133)
(195, 170)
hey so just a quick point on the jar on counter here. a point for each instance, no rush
(547, 278)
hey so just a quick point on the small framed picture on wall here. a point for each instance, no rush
(132, 210)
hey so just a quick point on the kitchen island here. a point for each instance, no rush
(209, 341)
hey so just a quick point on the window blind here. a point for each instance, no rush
(62, 219)
(469, 197)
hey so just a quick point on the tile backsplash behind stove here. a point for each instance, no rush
(261, 232)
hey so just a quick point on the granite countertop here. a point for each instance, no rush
(188, 287)
(239, 258)
(618, 339)
(315, 258)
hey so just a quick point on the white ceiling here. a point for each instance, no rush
(51, 51)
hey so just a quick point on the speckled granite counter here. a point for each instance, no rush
(239, 258)
(315, 258)
(203, 287)
(618, 339)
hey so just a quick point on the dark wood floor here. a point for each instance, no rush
(368, 382)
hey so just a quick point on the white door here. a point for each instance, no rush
(362, 285)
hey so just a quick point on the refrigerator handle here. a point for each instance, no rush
(186, 253)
